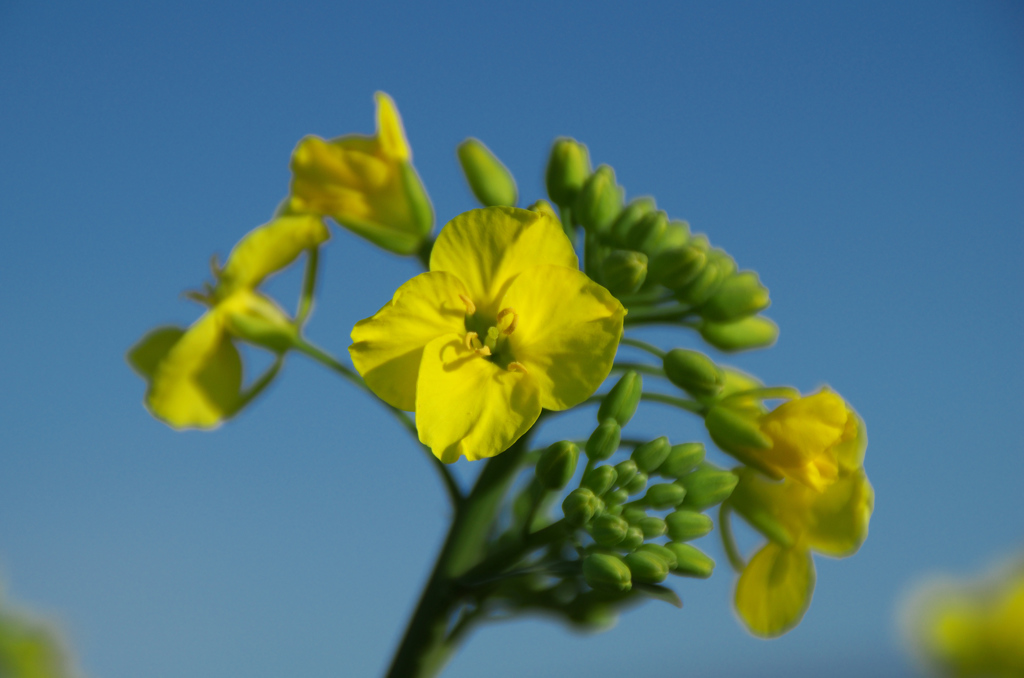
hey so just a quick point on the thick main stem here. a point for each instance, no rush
(425, 648)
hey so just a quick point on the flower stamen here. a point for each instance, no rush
(516, 366)
(472, 342)
(470, 306)
(512, 323)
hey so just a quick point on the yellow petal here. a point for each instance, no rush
(804, 432)
(390, 133)
(775, 589)
(387, 347)
(269, 248)
(567, 332)
(197, 383)
(467, 405)
(487, 248)
(838, 518)
(850, 450)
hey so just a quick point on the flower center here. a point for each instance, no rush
(490, 339)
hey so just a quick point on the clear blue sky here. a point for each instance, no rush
(866, 158)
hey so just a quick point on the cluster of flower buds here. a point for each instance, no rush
(653, 262)
(639, 530)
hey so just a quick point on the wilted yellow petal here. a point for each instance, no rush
(387, 347)
(567, 332)
(269, 248)
(390, 132)
(467, 405)
(775, 589)
(837, 519)
(197, 383)
(487, 248)
(804, 432)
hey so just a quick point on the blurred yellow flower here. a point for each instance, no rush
(775, 587)
(366, 184)
(810, 439)
(971, 628)
(195, 375)
(503, 325)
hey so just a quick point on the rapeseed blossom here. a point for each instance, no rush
(503, 325)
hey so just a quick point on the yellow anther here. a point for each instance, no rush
(472, 342)
(515, 366)
(512, 323)
(470, 306)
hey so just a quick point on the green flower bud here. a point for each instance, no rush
(738, 296)
(634, 515)
(604, 441)
(651, 455)
(707, 486)
(629, 217)
(637, 484)
(557, 464)
(260, 321)
(691, 561)
(599, 201)
(420, 207)
(600, 479)
(700, 241)
(677, 233)
(625, 471)
(579, 506)
(616, 498)
(693, 372)
(647, 567)
(676, 267)
(652, 527)
(667, 555)
(647, 234)
(682, 459)
(606, 572)
(739, 434)
(684, 525)
(751, 332)
(568, 168)
(634, 537)
(624, 271)
(717, 268)
(665, 495)
(621, 402)
(544, 207)
(488, 178)
(608, 530)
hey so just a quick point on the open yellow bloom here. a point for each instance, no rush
(366, 184)
(775, 587)
(503, 325)
(810, 439)
(195, 375)
(972, 628)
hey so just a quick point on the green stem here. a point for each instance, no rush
(682, 403)
(728, 540)
(643, 346)
(425, 648)
(308, 287)
(638, 367)
(658, 314)
(326, 359)
(424, 253)
(260, 384)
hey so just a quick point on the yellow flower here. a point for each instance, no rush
(195, 375)
(775, 587)
(504, 324)
(810, 439)
(972, 629)
(366, 184)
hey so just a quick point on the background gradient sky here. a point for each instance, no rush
(866, 158)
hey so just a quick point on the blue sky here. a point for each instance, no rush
(867, 159)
